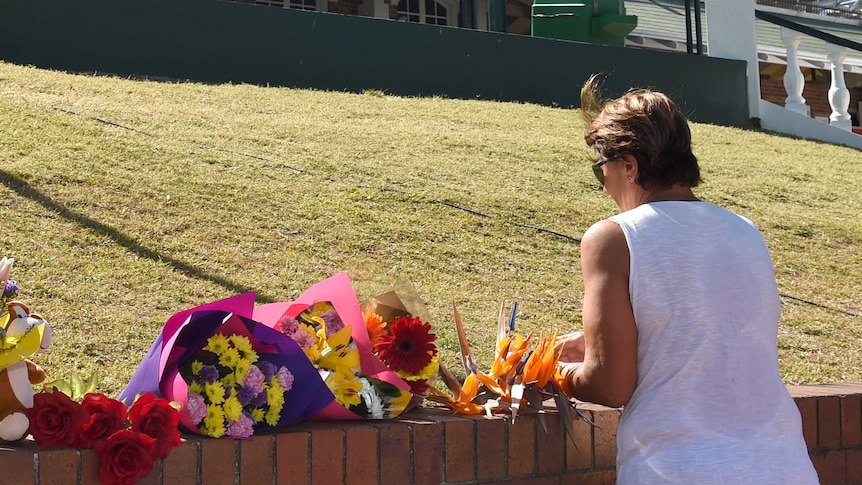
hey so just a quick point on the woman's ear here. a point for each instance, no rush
(631, 165)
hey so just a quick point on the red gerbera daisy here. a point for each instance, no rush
(409, 347)
(419, 387)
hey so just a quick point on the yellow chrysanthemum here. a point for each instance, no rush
(241, 370)
(229, 380)
(196, 388)
(197, 366)
(215, 392)
(272, 416)
(229, 358)
(232, 408)
(426, 373)
(213, 424)
(241, 342)
(274, 393)
(217, 344)
(257, 414)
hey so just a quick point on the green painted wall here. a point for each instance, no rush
(219, 41)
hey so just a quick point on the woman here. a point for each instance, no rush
(680, 314)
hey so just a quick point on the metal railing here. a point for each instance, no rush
(814, 8)
(789, 24)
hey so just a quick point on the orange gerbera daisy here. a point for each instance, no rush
(375, 325)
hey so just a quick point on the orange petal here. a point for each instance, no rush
(492, 384)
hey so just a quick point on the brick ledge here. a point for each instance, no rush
(428, 447)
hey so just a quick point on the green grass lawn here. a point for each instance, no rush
(126, 201)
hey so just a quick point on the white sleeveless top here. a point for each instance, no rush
(710, 405)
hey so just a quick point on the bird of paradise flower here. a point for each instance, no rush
(518, 378)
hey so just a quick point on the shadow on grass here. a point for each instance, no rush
(25, 190)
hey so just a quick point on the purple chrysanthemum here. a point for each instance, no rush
(209, 374)
(287, 324)
(245, 395)
(269, 369)
(333, 322)
(197, 407)
(254, 377)
(259, 401)
(10, 289)
(241, 428)
(285, 379)
(303, 338)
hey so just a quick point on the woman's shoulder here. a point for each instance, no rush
(605, 235)
(605, 228)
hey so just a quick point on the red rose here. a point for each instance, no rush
(55, 419)
(155, 417)
(106, 416)
(125, 457)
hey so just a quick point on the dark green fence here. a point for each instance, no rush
(219, 41)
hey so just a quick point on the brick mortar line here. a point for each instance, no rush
(412, 454)
(199, 456)
(237, 461)
(475, 426)
(379, 455)
(274, 460)
(36, 468)
(79, 466)
(309, 464)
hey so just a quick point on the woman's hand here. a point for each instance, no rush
(572, 347)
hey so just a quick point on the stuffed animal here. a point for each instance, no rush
(24, 334)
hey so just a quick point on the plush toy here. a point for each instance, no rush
(23, 335)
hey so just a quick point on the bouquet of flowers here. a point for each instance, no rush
(236, 369)
(520, 378)
(127, 441)
(208, 352)
(229, 392)
(329, 345)
(401, 340)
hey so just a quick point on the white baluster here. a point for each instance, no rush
(839, 95)
(794, 81)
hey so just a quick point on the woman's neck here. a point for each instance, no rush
(675, 192)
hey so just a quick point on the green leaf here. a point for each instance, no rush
(59, 386)
(90, 384)
(77, 385)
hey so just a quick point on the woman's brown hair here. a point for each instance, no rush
(645, 124)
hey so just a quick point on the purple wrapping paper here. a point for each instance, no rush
(187, 332)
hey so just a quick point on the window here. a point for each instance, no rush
(422, 11)
(295, 4)
(303, 4)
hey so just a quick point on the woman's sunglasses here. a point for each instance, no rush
(597, 170)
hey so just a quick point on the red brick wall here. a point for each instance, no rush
(445, 449)
(815, 94)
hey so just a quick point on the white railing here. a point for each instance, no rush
(794, 81)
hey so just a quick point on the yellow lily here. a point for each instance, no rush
(339, 352)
